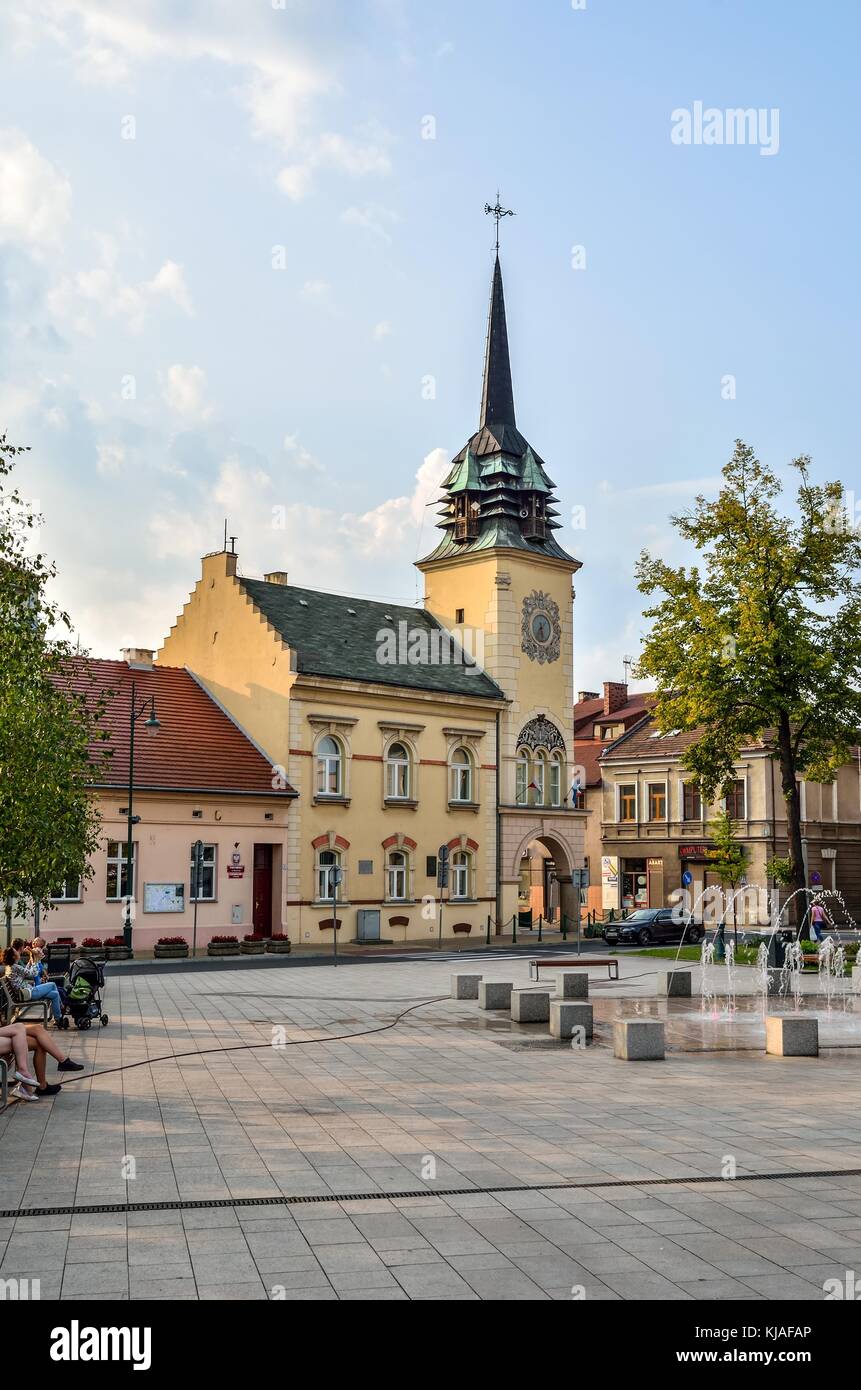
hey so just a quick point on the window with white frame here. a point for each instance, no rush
(555, 780)
(397, 773)
(69, 891)
(460, 775)
(397, 876)
(327, 861)
(521, 795)
(117, 886)
(330, 767)
(461, 873)
(206, 886)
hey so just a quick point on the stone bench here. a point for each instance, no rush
(674, 984)
(791, 1036)
(530, 1005)
(638, 1039)
(568, 1014)
(465, 986)
(572, 986)
(495, 994)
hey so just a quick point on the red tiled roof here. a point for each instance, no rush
(589, 712)
(587, 751)
(647, 741)
(197, 748)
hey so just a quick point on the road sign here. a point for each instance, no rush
(442, 867)
(687, 878)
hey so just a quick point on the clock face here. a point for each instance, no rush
(541, 629)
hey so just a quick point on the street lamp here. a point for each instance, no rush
(152, 727)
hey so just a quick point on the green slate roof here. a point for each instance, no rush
(333, 635)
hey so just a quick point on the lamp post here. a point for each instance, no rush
(152, 727)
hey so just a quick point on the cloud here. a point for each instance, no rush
(170, 280)
(184, 390)
(299, 457)
(74, 299)
(373, 219)
(110, 459)
(382, 330)
(282, 80)
(316, 291)
(35, 198)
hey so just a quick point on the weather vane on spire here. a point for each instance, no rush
(498, 212)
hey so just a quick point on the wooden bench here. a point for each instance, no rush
(579, 963)
(14, 1010)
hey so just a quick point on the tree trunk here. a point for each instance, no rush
(789, 786)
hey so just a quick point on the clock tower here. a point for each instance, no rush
(501, 583)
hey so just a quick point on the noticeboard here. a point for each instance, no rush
(164, 897)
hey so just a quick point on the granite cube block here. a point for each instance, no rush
(568, 1014)
(572, 984)
(465, 986)
(495, 994)
(530, 1005)
(638, 1039)
(791, 1035)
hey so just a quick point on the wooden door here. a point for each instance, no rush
(262, 913)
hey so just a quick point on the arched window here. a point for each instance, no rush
(397, 876)
(330, 763)
(398, 772)
(327, 861)
(555, 780)
(461, 874)
(460, 776)
(539, 779)
(523, 778)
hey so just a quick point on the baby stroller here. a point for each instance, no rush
(83, 986)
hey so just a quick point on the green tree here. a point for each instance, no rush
(727, 857)
(49, 722)
(765, 643)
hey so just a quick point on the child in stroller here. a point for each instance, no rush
(82, 987)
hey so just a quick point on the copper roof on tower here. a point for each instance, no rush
(498, 493)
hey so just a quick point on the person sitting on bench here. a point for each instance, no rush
(23, 977)
(41, 1044)
(13, 1040)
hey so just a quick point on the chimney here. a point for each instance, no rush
(276, 577)
(138, 657)
(615, 695)
(587, 695)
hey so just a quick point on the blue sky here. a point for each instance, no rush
(167, 372)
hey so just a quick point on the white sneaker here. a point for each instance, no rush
(27, 1080)
(21, 1093)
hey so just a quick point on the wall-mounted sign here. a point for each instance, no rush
(694, 851)
(609, 880)
(236, 870)
(164, 897)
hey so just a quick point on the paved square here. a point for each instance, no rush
(444, 1097)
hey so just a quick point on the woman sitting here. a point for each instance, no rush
(23, 977)
(14, 1040)
(42, 1045)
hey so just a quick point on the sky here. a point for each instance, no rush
(244, 271)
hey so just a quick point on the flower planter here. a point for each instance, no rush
(96, 953)
(223, 948)
(171, 952)
(252, 948)
(119, 953)
(278, 948)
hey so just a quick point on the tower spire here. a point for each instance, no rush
(497, 395)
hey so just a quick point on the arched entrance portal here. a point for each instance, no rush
(545, 888)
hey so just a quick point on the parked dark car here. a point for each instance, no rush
(652, 925)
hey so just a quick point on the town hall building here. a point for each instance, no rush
(402, 729)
